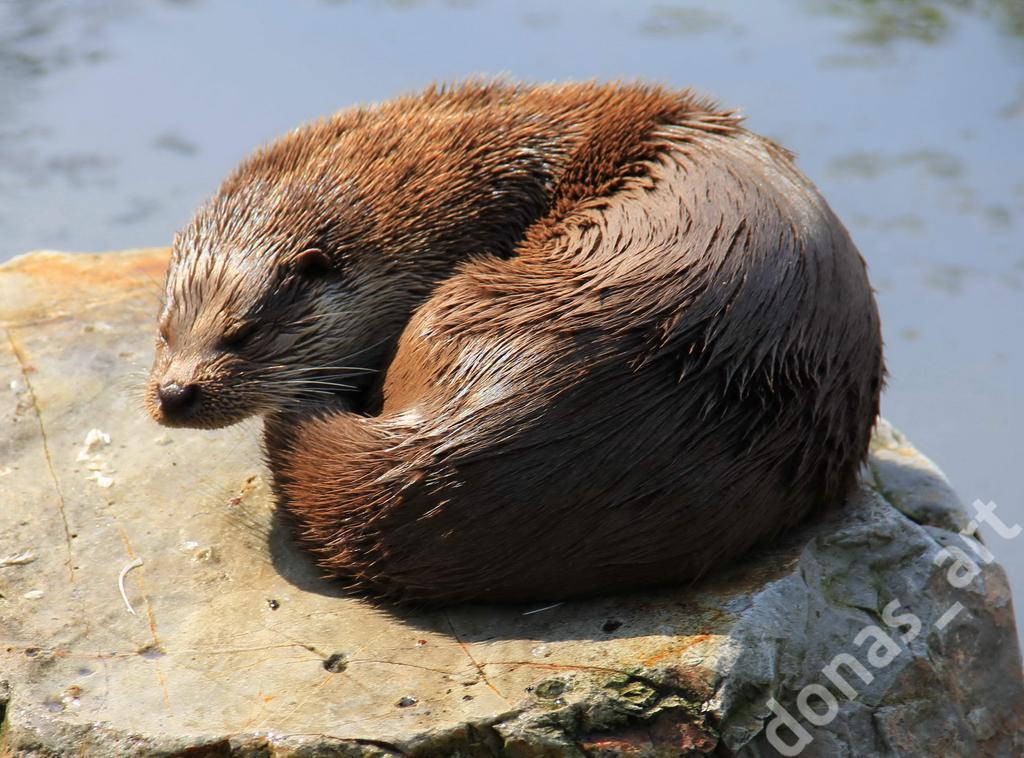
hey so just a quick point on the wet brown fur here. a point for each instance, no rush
(622, 339)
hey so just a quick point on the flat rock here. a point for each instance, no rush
(227, 642)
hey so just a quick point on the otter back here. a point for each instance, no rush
(627, 340)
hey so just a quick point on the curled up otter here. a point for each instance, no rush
(524, 343)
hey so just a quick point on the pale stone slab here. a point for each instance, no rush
(234, 645)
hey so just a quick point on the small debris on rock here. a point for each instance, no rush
(541, 610)
(70, 697)
(101, 479)
(206, 554)
(151, 652)
(162, 440)
(18, 559)
(407, 701)
(94, 439)
(420, 643)
(33, 594)
(89, 454)
(273, 604)
(120, 584)
(336, 663)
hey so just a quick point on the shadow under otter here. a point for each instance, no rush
(616, 615)
(620, 339)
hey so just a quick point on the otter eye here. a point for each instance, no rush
(312, 263)
(237, 336)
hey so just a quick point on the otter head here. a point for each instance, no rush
(262, 318)
(244, 332)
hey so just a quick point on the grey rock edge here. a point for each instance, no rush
(233, 645)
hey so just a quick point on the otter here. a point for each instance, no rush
(522, 343)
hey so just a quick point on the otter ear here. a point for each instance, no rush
(312, 263)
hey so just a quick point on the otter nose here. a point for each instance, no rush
(178, 400)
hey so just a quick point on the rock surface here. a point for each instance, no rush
(228, 642)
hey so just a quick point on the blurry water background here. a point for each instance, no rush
(117, 118)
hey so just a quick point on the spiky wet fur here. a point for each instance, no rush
(622, 339)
